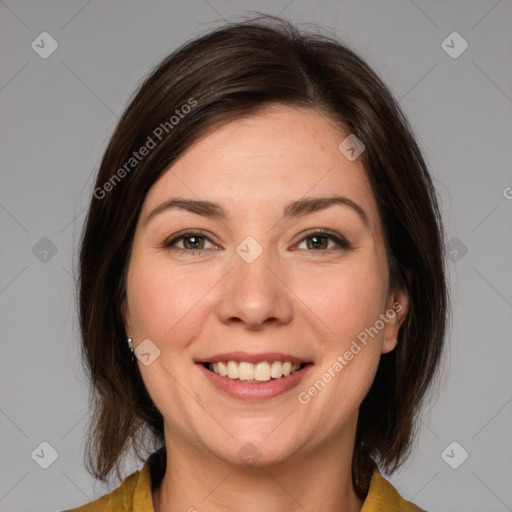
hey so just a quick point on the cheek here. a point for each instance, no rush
(347, 300)
(162, 298)
(344, 305)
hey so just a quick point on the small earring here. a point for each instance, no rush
(130, 341)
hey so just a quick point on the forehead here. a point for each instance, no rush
(279, 155)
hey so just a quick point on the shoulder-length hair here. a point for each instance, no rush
(226, 74)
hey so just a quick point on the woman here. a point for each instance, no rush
(265, 238)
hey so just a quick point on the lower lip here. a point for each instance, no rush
(257, 390)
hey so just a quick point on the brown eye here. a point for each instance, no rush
(319, 241)
(196, 242)
(316, 241)
(192, 241)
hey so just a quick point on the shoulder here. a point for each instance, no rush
(133, 494)
(383, 497)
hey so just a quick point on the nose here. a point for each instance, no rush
(255, 294)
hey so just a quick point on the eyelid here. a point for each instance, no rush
(339, 239)
(185, 233)
(332, 235)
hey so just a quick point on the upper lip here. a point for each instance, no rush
(252, 358)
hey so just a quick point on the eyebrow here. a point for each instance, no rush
(294, 209)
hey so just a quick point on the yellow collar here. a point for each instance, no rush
(134, 495)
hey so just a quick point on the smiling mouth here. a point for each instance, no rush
(263, 371)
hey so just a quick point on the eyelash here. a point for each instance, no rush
(338, 239)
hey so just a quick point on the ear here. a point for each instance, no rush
(396, 312)
(125, 312)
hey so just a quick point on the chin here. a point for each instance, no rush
(256, 453)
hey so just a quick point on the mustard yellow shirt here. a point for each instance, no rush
(134, 495)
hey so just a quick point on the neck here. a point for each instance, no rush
(315, 479)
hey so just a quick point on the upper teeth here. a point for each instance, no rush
(263, 371)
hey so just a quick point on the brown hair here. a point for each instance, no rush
(229, 73)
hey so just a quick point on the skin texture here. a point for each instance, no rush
(294, 298)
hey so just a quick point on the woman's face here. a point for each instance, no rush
(259, 284)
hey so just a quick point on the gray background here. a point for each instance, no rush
(56, 116)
